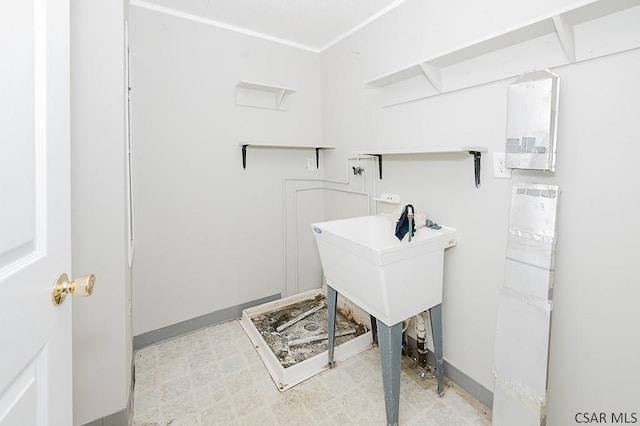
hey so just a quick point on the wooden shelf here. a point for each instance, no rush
(245, 145)
(562, 30)
(259, 95)
(409, 151)
(476, 151)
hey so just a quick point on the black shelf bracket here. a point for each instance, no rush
(244, 156)
(476, 166)
(379, 156)
(318, 158)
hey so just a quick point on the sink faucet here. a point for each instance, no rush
(411, 221)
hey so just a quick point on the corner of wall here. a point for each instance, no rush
(102, 326)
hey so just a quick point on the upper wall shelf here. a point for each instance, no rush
(575, 32)
(245, 145)
(476, 151)
(261, 95)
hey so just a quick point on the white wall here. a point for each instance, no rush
(209, 235)
(593, 360)
(102, 347)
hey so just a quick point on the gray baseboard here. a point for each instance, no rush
(121, 418)
(473, 388)
(151, 337)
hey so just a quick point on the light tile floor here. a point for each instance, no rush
(214, 376)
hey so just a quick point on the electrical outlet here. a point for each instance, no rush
(311, 164)
(500, 170)
(390, 198)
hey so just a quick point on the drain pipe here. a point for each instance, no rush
(421, 339)
(405, 344)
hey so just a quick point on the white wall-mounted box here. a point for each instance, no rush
(532, 121)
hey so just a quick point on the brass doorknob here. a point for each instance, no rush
(82, 286)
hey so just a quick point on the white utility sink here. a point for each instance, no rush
(391, 279)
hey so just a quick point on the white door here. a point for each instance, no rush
(35, 335)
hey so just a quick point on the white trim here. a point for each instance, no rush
(363, 24)
(146, 5)
(128, 151)
(200, 19)
(40, 122)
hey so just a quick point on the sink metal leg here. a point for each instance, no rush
(436, 329)
(390, 342)
(374, 329)
(332, 298)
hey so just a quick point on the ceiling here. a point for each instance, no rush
(309, 24)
